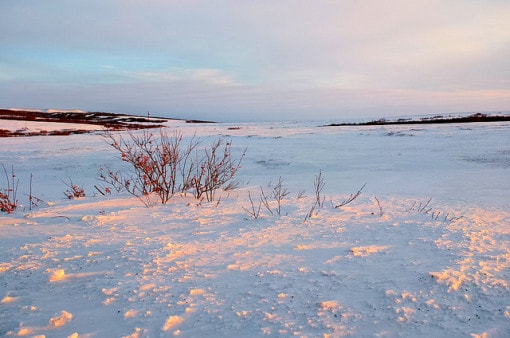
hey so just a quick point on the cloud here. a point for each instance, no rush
(199, 76)
(263, 57)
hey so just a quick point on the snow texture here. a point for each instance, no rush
(422, 252)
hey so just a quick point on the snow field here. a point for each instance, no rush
(107, 266)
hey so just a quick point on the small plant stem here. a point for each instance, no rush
(351, 198)
(380, 207)
(30, 193)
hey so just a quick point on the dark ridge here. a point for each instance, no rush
(199, 121)
(110, 121)
(20, 133)
(96, 118)
(477, 117)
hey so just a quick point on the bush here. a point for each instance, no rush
(8, 196)
(214, 170)
(73, 191)
(272, 200)
(6, 204)
(162, 166)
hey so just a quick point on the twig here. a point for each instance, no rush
(351, 198)
(30, 194)
(255, 211)
(380, 207)
(319, 186)
(264, 200)
(421, 209)
(218, 202)
(99, 190)
(310, 213)
(279, 193)
(319, 198)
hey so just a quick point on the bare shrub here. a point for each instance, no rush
(277, 194)
(424, 208)
(271, 199)
(273, 196)
(8, 196)
(319, 186)
(162, 166)
(254, 210)
(73, 191)
(155, 164)
(319, 197)
(215, 169)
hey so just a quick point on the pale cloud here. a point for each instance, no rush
(204, 76)
(265, 58)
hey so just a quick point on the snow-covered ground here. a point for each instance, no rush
(107, 266)
(13, 126)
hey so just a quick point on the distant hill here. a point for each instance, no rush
(476, 117)
(110, 121)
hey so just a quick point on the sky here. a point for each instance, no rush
(245, 60)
